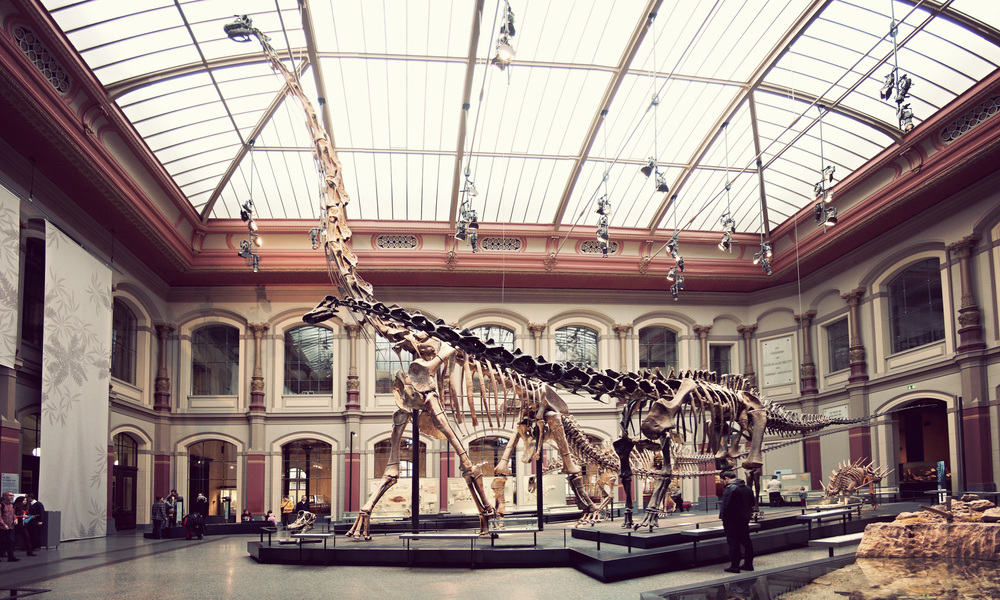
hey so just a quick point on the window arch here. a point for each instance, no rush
(309, 360)
(126, 451)
(577, 344)
(215, 361)
(123, 342)
(916, 307)
(405, 454)
(307, 470)
(212, 471)
(499, 334)
(658, 348)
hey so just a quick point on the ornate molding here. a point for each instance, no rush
(963, 247)
(702, 330)
(622, 329)
(853, 297)
(536, 329)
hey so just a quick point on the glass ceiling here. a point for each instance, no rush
(736, 81)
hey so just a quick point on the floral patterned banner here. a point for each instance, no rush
(76, 358)
(10, 234)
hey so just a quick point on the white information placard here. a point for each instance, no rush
(778, 361)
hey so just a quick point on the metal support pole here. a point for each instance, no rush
(539, 488)
(415, 475)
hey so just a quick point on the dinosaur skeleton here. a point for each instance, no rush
(717, 414)
(304, 521)
(848, 478)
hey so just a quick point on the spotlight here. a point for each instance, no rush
(727, 242)
(831, 217)
(890, 82)
(905, 118)
(470, 189)
(903, 89)
(825, 215)
(460, 231)
(602, 230)
(255, 261)
(661, 182)
(672, 274)
(763, 256)
(766, 247)
(649, 168)
(244, 250)
(680, 263)
(674, 289)
(473, 222)
(252, 225)
(672, 249)
(766, 266)
(314, 237)
(603, 206)
(728, 223)
(505, 53)
(257, 240)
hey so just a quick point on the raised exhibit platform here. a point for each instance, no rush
(605, 552)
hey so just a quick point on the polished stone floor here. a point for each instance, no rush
(126, 565)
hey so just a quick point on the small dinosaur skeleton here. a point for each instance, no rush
(716, 414)
(847, 478)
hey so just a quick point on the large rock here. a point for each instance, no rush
(931, 540)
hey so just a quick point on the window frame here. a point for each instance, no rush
(234, 366)
(902, 331)
(833, 350)
(323, 385)
(130, 347)
(644, 361)
(564, 356)
(729, 358)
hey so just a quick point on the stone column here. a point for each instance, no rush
(807, 370)
(970, 332)
(161, 397)
(536, 330)
(257, 381)
(702, 331)
(353, 383)
(859, 367)
(748, 374)
(622, 329)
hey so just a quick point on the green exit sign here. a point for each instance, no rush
(911, 387)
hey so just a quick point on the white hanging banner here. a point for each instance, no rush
(76, 357)
(10, 234)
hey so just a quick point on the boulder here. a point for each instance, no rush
(931, 540)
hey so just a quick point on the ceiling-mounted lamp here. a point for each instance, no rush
(602, 234)
(661, 182)
(763, 257)
(825, 215)
(897, 84)
(505, 52)
(672, 274)
(677, 286)
(727, 242)
(252, 258)
(603, 206)
(257, 240)
(648, 169)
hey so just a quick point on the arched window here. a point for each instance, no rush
(387, 363)
(306, 470)
(657, 349)
(499, 335)
(33, 303)
(31, 451)
(487, 451)
(123, 342)
(212, 471)
(916, 310)
(126, 451)
(577, 344)
(405, 457)
(308, 360)
(215, 361)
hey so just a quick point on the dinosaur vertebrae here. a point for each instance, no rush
(848, 477)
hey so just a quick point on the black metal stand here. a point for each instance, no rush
(538, 491)
(415, 474)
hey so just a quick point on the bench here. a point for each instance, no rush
(514, 526)
(268, 531)
(472, 537)
(302, 537)
(844, 514)
(831, 507)
(837, 541)
(705, 533)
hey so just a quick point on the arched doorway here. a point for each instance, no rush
(212, 471)
(306, 472)
(923, 442)
(125, 474)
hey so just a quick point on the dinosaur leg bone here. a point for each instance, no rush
(360, 528)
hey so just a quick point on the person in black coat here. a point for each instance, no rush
(201, 505)
(302, 504)
(737, 508)
(36, 510)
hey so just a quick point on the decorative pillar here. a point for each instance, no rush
(536, 330)
(257, 381)
(622, 329)
(353, 383)
(702, 331)
(161, 397)
(748, 375)
(859, 367)
(970, 332)
(807, 370)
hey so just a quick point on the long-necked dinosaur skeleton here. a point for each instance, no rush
(717, 414)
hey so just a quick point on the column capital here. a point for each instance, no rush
(621, 329)
(963, 247)
(702, 330)
(747, 330)
(537, 328)
(258, 329)
(352, 329)
(806, 317)
(853, 297)
(164, 329)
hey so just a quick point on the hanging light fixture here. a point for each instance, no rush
(246, 215)
(603, 204)
(726, 220)
(763, 257)
(897, 85)
(824, 215)
(648, 169)
(505, 52)
(661, 182)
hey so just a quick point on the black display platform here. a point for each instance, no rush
(605, 552)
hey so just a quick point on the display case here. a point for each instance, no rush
(397, 501)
